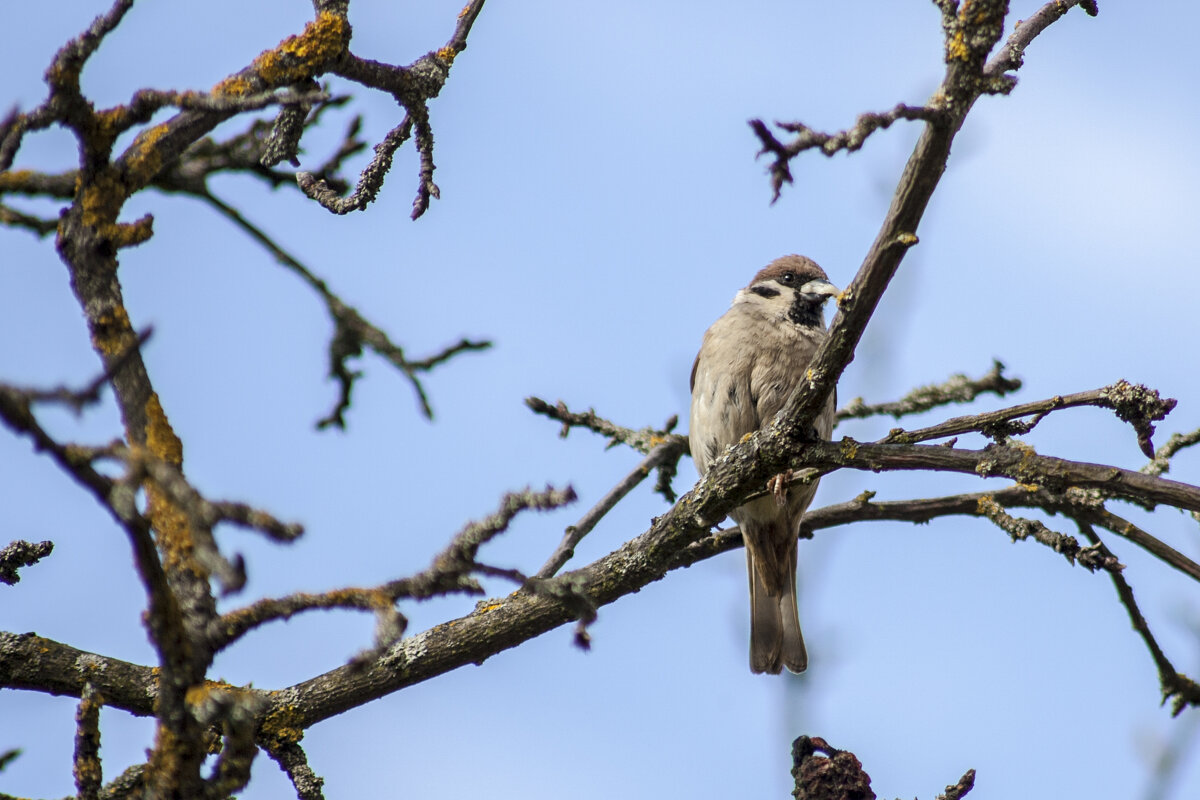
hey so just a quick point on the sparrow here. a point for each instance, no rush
(749, 362)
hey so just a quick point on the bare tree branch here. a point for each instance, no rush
(18, 554)
(808, 138)
(669, 451)
(88, 775)
(958, 389)
(292, 760)
(1176, 686)
(351, 330)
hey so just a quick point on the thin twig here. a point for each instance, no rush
(1148, 407)
(292, 760)
(451, 572)
(1177, 687)
(351, 330)
(643, 440)
(960, 789)
(808, 138)
(668, 451)
(958, 389)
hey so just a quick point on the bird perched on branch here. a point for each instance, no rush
(749, 362)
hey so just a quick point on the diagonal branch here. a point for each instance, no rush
(969, 38)
(1184, 691)
(351, 330)
(668, 452)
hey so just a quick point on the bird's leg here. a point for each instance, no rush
(778, 487)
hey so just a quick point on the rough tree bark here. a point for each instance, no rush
(172, 531)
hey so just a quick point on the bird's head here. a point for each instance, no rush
(792, 288)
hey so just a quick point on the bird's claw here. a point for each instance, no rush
(778, 487)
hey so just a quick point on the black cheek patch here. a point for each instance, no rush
(765, 291)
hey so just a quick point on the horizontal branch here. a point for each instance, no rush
(958, 389)
(808, 138)
(643, 440)
(1135, 404)
(1014, 460)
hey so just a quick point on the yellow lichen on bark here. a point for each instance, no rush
(300, 57)
(16, 179)
(111, 331)
(294, 59)
(956, 47)
(283, 723)
(169, 521)
(101, 199)
(145, 159)
(160, 438)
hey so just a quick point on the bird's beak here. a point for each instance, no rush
(819, 289)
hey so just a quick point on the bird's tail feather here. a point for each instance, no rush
(775, 637)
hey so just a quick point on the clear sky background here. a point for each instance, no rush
(601, 203)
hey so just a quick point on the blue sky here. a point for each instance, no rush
(600, 205)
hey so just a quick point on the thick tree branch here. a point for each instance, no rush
(969, 39)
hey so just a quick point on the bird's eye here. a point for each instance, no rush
(788, 278)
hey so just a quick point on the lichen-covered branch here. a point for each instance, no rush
(969, 38)
(828, 144)
(1135, 404)
(87, 770)
(643, 440)
(292, 760)
(957, 389)
(669, 452)
(19, 554)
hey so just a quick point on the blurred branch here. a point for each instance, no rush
(958, 389)
(16, 219)
(351, 330)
